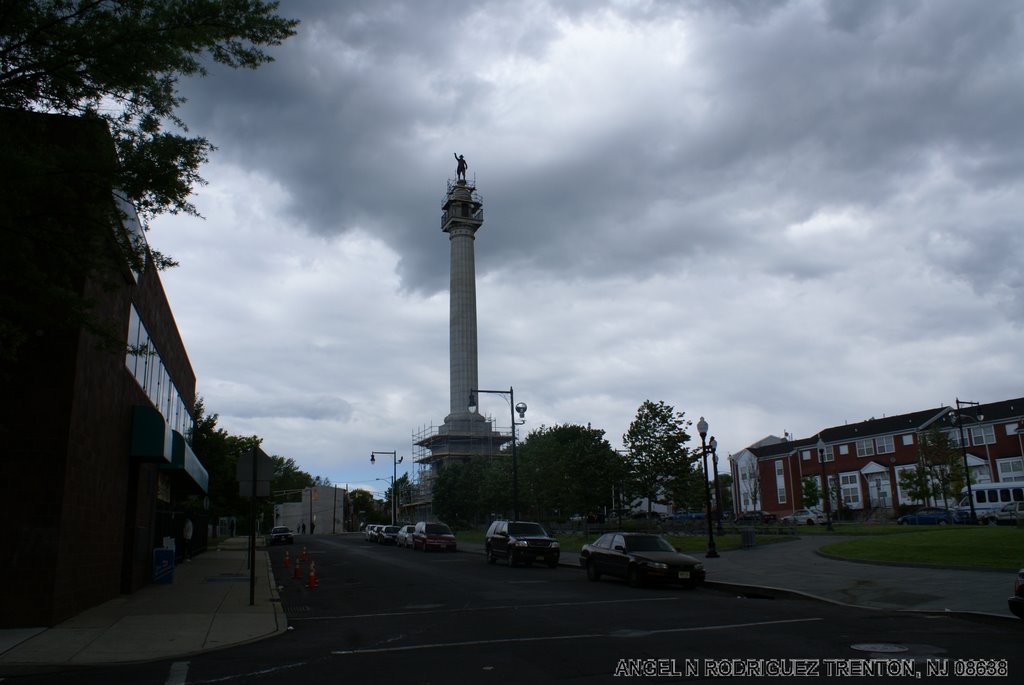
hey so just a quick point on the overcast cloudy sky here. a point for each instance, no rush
(781, 216)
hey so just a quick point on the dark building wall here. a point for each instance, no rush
(82, 510)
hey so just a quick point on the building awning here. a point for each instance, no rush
(151, 437)
(185, 462)
(873, 467)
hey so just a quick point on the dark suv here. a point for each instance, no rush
(520, 541)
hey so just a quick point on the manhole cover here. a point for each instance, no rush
(879, 647)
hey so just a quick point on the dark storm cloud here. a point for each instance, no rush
(786, 108)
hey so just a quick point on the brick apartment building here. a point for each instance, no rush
(96, 468)
(865, 459)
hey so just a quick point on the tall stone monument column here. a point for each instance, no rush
(463, 215)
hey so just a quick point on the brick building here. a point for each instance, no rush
(863, 461)
(97, 470)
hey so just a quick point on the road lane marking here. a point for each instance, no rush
(250, 674)
(583, 636)
(495, 608)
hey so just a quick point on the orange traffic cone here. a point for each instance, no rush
(296, 574)
(304, 556)
(287, 563)
(311, 580)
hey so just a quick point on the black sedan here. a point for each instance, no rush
(1017, 601)
(639, 558)
(280, 535)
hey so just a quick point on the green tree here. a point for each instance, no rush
(567, 469)
(943, 463)
(456, 493)
(810, 492)
(658, 463)
(121, 61)
(362, 507)
(114, 65)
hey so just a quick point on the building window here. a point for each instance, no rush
(805, 455)
(780, 482)
(954, 437)
(850, 489)
(908, 439)
(1010, 470)
(883, 445)
(983, 435)
(844, 449)
(865, 448)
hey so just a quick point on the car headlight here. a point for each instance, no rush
(554, 544)
(520, 543)
(656, 564)
(698, 567)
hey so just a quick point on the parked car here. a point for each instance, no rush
(280, 535)
(639, 558)
(404, 537)
(1007, 516)
(387, 535)
(688, 516)
(804, 516)
(1017, 601)
(757, 516)
(370, 532)
(433, 535)
(928, 516)
(520, 542)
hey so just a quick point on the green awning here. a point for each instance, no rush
(184, 460)
(151, 437)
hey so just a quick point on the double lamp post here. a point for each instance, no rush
(514, 408)
(395, 461)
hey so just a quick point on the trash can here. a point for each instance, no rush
(747, 537)
(163, 565)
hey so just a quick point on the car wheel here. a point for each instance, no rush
(633, 577)
(592, 572)
(991, 521)
(490, 555)
(810, 522)
(553, 563)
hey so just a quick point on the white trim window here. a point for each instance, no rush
(780, 482)
(1010, 470)
(849, 486)
(884, 445)
(983, 435)
(844, 449)
(908, 439)
(866, 448)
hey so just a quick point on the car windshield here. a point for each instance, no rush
(648, 543)
(526, 529)
(280, 529)
(438, 529)
(391, 530)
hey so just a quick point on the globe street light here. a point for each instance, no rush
(824, 484)
(513, 409)
(396, 460)
(702, 428)
(713, 444)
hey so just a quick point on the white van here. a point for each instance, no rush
(990, 497)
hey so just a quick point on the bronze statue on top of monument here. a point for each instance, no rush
(460, 170)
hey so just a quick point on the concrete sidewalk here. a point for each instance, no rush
(206, 607)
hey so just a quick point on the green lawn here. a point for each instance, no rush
(983, 546)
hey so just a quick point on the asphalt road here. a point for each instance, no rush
(382, 614)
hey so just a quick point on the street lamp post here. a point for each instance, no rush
(713, 444)
(395, 461)
(824, 485)
(513, 410)
(958, 418)
(702, 428)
